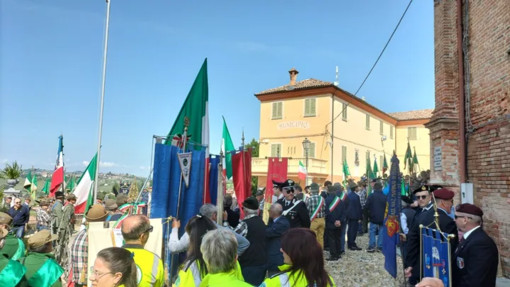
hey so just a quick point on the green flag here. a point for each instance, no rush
(408, 159)
(226, 146)
(385, 165)
(346, 169)
(195, 112)
(370, 172)
(46, 188)
(28, 181)
(415, 158)
(376, 168)
(33, 187)
(71, 184)
(403, 191)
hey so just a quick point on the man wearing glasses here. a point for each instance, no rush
(412, 262)
(136, 230)
(475, 261)
(20, 215)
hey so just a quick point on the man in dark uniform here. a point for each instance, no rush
(444, 202)
(293, 209)
(475, 261)
(253, 260)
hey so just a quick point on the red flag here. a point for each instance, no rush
(241, 172)
(58, 175)
(277, 171)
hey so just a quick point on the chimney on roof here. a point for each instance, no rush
(293, 76)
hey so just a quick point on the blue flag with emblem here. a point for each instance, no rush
(435, 251)
(165, 191)
(391, 222)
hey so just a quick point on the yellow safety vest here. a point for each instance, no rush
(190, 276)
(150, 271)
(284, 279)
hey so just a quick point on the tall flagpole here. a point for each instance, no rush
(100, 133)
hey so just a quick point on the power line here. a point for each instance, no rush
(382, 52)
(378, 58)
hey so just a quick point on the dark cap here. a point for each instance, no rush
(251, 203)
(259, 192)
(427, 187)
(407, 199)
(314, 187)
(288, 184)
(59, 194)
(443, 193)
(469, 209)
(276, 183)
(378, 185)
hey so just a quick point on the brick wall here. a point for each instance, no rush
(488, 144)
(488, 127)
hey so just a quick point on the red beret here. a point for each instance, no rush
(469, 209)
(443, 193)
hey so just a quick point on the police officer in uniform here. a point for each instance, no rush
(412, 260)
(293, 209)
(475, 261)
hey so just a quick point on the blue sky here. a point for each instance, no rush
(51, 65)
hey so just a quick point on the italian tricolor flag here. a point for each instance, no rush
(302, 171)
(83, 191)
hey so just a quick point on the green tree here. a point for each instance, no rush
(11, 171)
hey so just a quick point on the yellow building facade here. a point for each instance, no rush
(339, 127)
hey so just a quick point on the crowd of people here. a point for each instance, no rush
(287, 250)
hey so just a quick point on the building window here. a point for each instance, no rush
(344, 154)
(381, 128)
(277, 111)
(381, 163)
(391, 132)
(276, 150)
(309, 107)
(367, 122)
(344, 111)
(411, 133)
(311, 151)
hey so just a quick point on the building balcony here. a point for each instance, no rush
(316, 167)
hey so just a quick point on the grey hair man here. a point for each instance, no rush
(208, 210)
(277, 226)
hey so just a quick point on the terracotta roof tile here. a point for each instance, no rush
(304, 84)
(412, 115)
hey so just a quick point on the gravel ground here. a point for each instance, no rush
(360, 268)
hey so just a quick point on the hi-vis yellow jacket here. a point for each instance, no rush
(190, 275)
(150, 271)
(284, 279)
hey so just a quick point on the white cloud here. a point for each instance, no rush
(144, 167)
(101, 164)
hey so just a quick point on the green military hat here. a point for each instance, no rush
(5, 218)
(41, 238)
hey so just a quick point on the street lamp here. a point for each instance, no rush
(306, 147)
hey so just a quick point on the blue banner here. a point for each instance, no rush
(435, 255)
(165, 192)
(391, 222)
(214, 161)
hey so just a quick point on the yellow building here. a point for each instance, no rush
(339, 127)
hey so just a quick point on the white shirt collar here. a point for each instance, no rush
(469, 232)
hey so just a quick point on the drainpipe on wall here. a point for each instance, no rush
(332, 131)
(462, 121)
